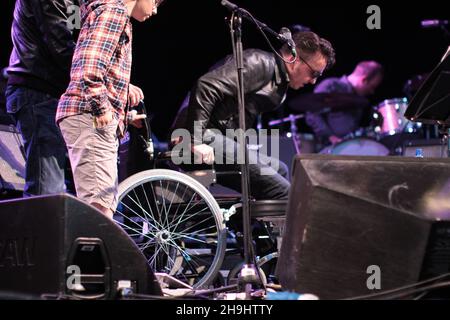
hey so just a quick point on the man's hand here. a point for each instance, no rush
(205, 152)
(104, 119)
(334, 140)
(135, 95)
(135, 119)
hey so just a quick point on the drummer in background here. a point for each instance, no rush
(332, 127)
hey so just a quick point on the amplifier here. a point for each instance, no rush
(434, 148)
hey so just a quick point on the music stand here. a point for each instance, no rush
(431, 103)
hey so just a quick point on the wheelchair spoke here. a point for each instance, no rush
(153, 260)
(173, 196)
(189, 217)
(175, 223)
(146, 245)
(137, 214)
(190, 201)
(127, 227)
(194, 261)
(179, 204)
(149, 206)
(180, 235)
(194, 239)
(154, 198)
(164, 202)
(183, 232)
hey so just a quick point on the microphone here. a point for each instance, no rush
(433, 23)
(230, 6)
(286, 35)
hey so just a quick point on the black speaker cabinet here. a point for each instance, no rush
(59, 245)
(350, 215)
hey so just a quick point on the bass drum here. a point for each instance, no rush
(357, 147)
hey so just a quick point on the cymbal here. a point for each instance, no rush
(319, 101)
(292, 117)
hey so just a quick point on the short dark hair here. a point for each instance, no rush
(158, 2)
(308, 43)
(369, 69)
(298, 28)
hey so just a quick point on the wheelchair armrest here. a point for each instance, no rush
(228, 173)
(205, 177)
(167, 155)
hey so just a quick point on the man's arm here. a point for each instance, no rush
(95, 52)
(318, 125)
(220, 85)
(317, 121)
(52, 17)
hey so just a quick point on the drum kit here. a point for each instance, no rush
(388, 124)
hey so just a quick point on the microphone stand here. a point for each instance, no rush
(248, 275)
(245, 14)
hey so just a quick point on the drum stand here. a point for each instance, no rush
(294, 132)
(447, 137)
(445, 130)
(294, 129)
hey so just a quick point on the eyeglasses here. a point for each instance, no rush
(314, 73)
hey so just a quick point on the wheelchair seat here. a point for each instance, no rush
(268, 208)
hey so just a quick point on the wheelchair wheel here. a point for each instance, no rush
(176, 223)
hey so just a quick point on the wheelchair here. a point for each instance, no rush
(185, 231)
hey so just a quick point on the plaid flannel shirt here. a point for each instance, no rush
(101, 65)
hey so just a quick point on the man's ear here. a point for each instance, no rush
(298, 62)
(364, 79)
(290, 66)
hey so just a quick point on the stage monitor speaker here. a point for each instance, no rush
(433, 148)
(351, 216)
(12, 159)
(58, 245)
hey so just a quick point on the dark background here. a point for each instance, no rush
(178, 45)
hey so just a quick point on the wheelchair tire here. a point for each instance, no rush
(175, 222)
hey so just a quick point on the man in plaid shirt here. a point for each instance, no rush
(91, 113)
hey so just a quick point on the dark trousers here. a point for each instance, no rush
(45, 151)
(268, 175)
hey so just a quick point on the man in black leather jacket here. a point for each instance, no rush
(38, 73)
(212, 108)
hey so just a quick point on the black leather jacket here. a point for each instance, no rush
(43, 45)
(213, 99)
